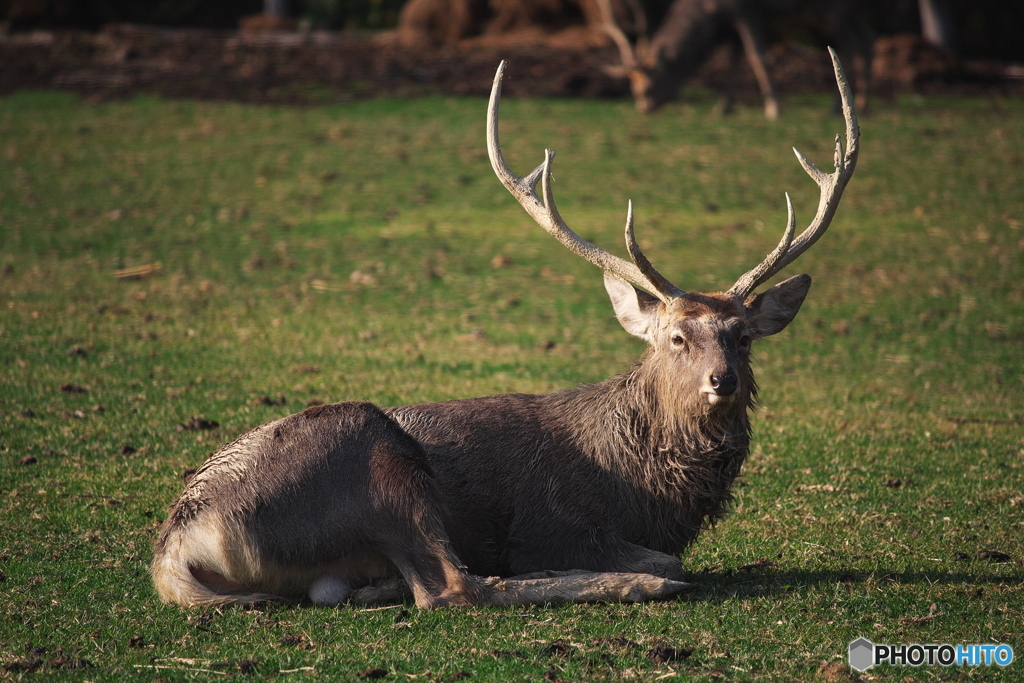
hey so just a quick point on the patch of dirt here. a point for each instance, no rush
(837, 672)
(662, 654)
(993, 556)
(22, 665)
(66, 662)
(558, 648)
(122, 61)
(196, 423)
(617, 642)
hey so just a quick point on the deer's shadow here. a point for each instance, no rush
(765, 581)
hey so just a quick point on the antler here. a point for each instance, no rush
(632, 56)
(626, 51)
(831, 185)
(543, 210)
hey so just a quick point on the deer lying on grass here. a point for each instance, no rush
(691, 30)
(586, 494)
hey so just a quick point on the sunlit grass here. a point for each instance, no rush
(366, 252)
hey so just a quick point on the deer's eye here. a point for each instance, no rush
(679, 341)
(745, 341)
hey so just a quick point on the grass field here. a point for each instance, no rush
(283, 256)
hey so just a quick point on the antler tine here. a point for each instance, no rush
(545, 213)
(831, 186)
(759, 274)
(643, 263)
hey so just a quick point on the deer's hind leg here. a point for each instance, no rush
(750, 31)
(412, 534)
(343, 497)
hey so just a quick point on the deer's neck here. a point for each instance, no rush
(630, 414)
(683, 457)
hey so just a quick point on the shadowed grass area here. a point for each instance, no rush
(366, 252)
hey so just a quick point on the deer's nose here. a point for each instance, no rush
(724, 385)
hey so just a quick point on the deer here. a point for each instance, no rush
(657, 65)
(581, 495)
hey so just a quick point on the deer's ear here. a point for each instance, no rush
(770, 312)
(634, 309)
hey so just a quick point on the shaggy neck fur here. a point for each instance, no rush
(665, 441)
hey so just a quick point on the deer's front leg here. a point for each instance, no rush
(632, 558)
(592, 549)
(659, 564)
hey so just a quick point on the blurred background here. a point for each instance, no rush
(313, 51)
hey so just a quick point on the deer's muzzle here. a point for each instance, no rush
(720, 389)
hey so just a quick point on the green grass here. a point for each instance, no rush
(348, 252)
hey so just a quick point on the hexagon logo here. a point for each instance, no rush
(862, 654)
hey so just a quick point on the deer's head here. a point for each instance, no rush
(698, 344)
(649, 86)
